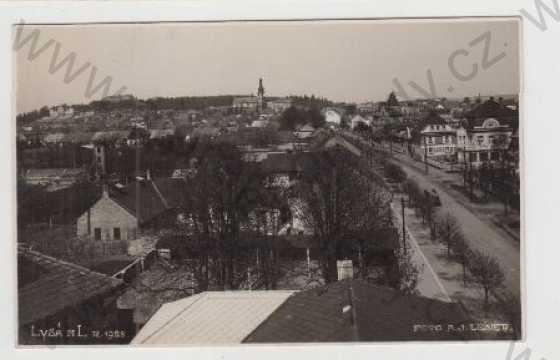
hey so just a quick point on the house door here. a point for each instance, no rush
(97, 234)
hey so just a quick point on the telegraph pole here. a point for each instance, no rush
(403, 226)
(426, 154)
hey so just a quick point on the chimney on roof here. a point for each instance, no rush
(105, 190)
(345, 269)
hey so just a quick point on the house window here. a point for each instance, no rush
(97, 234)
(116, 233)
(483, 156)
(480, 139)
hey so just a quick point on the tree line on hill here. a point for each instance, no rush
(28, 117)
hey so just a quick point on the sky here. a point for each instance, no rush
(352, 61)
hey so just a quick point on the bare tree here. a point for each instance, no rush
(222, 193)
(407, 270)
(340, 202)
(449, 231)
(415, 196)
(486, 273)
(462, 251)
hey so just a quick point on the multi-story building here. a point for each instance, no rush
(438, 140)
(278, 105)
(487, 134)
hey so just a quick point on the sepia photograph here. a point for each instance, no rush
(257, 182)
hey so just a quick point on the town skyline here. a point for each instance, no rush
(218, 68)
(272, 177)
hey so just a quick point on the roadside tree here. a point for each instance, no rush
(487, 273)
(449, 231)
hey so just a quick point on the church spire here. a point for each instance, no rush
(260, 91)
(260, 96)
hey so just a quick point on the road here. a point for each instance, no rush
(480, 235)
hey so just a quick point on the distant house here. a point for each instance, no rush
(332, 117)
(247, 103)
(53, 138)
(61, 110)
(366, 108)
(114, 137)
(161, 133)
(358, 119)
(304, 131)
(60, 295)
(259, 123)
(55, 178)
(279, 105)
(337, 142)
(344, 311)
(123, 210)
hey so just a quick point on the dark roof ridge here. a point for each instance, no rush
(158, 192)
(23, 251)
(120, 203)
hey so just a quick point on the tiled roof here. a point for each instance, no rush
(110, 135)
(492, 109)
(433, 118)
(48, 285)
(373, 313)
(285, 163)
(210, 318)
(337, 141)
(53, 172)
(156, 196)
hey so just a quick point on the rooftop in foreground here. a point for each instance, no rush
(47, 285)
(344, 311)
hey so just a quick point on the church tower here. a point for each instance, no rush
(260, 97)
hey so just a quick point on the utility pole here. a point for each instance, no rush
(403, 226)
(426, 154)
